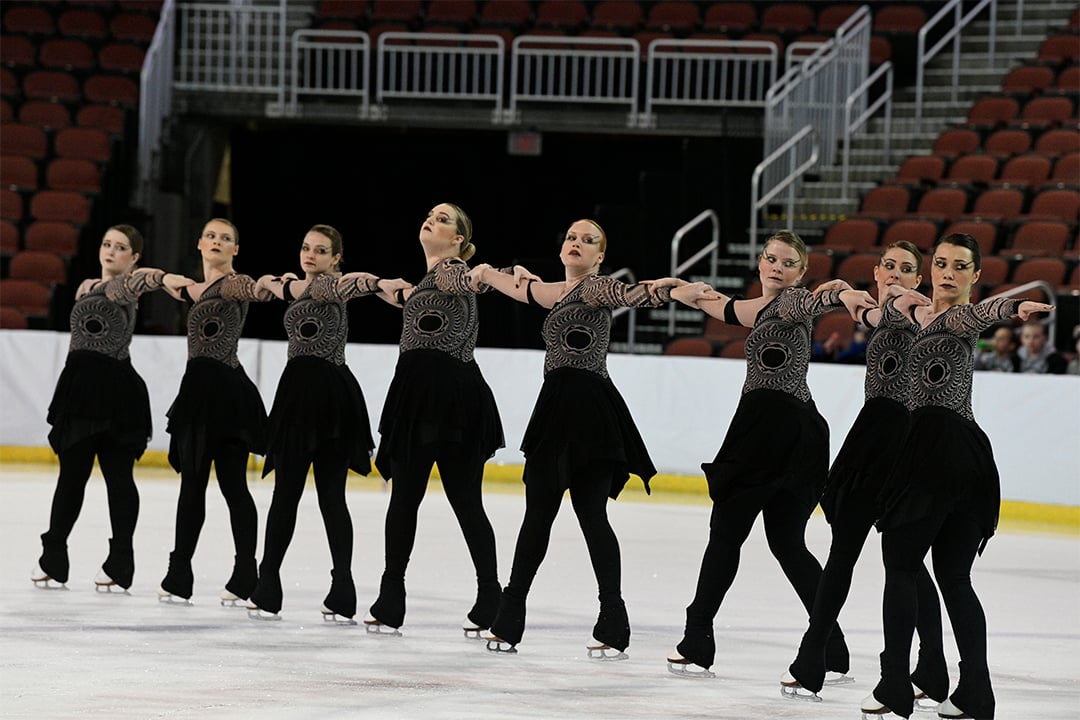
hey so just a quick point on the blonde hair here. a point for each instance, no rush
(603, 235)
(791, 239)
(465, 230)
(223, 221)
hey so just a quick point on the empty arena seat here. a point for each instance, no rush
(697, 347)
(974, 169)
(956, 142)
(25, 140)
(18, 172)
(1039, 238)
(73, 174)
(858, 269)
(737, 18)
(45, 267)
(985, 233)
(28, 296)
(787, 18)
(674, 17)
(851, 235)
(44, 114)
(60, 206)
(624, 16)
(66, 54)
(83, 144)
(920, 233)
(1007, 143)
(59, 238)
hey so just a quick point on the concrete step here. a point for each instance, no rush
(944, 93)
(938, 109)
(968, 74)
(857, 173)
(897, 143)
(934, 125)
(1006, 42)
(834, 189)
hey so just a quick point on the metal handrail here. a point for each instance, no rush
(347, 56)
(850, 126)
(155, 103)
(956, 8)
(631, 320)
(1050, 321)
(787, 182)
(712, 249)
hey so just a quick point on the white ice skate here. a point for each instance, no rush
(330, 616)
(257, 613)
(874, 710)
(792, 690)
(498, 645)
(229, 599)
(678, 665)
(105, 584)
(472, 630)
(602, 651)
(166, 597)
(374, 627)
(923, 702)
(950, 711)
(838, 678)
(41, 579)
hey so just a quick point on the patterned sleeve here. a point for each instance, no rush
(127, 288)
(979, 317)
(242, 287)
(607, 292)
(332, 287)
(452, 276)
(893, 318)
(797, 304)
(484, 287)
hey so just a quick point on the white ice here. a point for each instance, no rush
(78, 653)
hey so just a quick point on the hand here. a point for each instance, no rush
(830, 285)
(855, 300)
(288, 276)
(906, 300)
(365, 276)
(653, 285)
(522, 274)
(1029, 307)
(693, 294)
(476, 275)
(391, 286)
(174, 282)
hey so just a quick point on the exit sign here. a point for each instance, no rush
(524, 142)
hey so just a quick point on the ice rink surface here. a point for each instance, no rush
(77, 653)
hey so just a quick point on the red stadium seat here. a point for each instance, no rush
(956, 142)
(11, 205)
(885, 202)
(25, 140)
(971, 169)
(66, 54)
(832, 17)
(111, 90)
(1061, 205)
(60, 238)
(28, 296)
(101, 117)
(136, 27)
(720, 332)
(1040, 237)
(736, 18)
(835, 322)
(75, 175)
(45, 115)
(37, 265)
(858, 269)
(696, 347)
(787, 18)
(9, 238)
(121, 57)
(356, 10)
(12, 318)
(512, 14)
(997, 204)
(84, 144)
(920, 233)
(943, 204)
(18, 172)
(28, 20)
(993, 112)
(623, 16)
(906, 18)
(1067, 169)
(1007, 143)
(51, 85)
(921, 169)
(458, 13)
(60, 206)
(1025, 171)
(86, 24)
(985, 233)
(17, 51)
(1028, 79)
(734, 350)
(561, 14)
(1059, 49)
(7, 114)
(1044, 112)
(1053, 143)
(851, 235)
(673, 17)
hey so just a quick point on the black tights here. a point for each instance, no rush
(331, 467)
(953, 539)
(589, 490)
(230, 460)
(76, 463)
(850, 528)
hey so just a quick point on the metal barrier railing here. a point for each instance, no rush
(566, 70)
(851, 126)
(155, 103)
(712, 250)
(708, 74)
(955, 9)
(330, 63)
(231, 48)
(788, 151)
(631, 313)
(422, 66)
(1049, 322)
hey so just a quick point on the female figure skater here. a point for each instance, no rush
(319, 418)
(943, 494)
(593, 465)
(439, 410)
(856, 477)
(217, 417)
(101, 408)
(775, 457)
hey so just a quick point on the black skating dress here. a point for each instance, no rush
(318, 400)
(438, 394)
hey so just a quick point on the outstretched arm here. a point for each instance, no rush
(519, 285)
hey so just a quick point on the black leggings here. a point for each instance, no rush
(331, 468)
(462, 480)
(850, 528)
(76, 463)
(954, 539)
(230, 460)
(589, 488)
(785, 529)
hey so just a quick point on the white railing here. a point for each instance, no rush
(586, 70)
(789, 152)
(955, 9)
(712, 250)
(631, 313)
(813, 92)
(1049, 321)
(708, 74)
(231, 48)
(155, 104)
(422, 66)
(331, 64)
(852, 125)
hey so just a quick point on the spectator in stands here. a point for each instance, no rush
(855, 353)
(1000, 356)
(101, 408)
(1074, 364)
(1035, 355)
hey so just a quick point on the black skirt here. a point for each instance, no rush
(774, 439)
(318, 404)
(946, 465)
(870, 450)
(580, 418)
(99, 394)
(435, 398)
(215, 403)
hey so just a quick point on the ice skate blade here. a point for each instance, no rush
(498, 645)
(374, 627)
(681, 667)
(874, 710)
(472, 632)
(947, 710)
(924, 703)
(329, 616)
(167, 598)
(110, 588)
(602, 652)
(835, 678)
(47, 583)
(257, 613)
(229, 599)
(792, 690)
